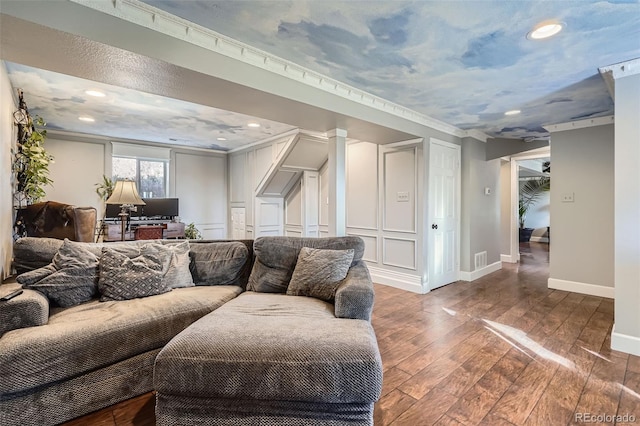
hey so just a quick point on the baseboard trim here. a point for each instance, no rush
(479, 273)
(508, 258)
(625, 343)
(583, 288)
(539, 240)
(401, 280)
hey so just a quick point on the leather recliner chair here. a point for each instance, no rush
(57, 220)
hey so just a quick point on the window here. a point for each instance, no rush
(150, 175)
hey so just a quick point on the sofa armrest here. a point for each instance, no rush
(354, 296)
(29, 309)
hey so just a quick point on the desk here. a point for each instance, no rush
(170, 229)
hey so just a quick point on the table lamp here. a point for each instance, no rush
(126, 195)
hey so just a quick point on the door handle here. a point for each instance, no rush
(434, 226)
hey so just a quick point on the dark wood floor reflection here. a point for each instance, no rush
(502, 350)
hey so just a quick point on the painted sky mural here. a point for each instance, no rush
(463, 62)
(124, 113)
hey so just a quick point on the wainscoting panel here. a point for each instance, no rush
(399, 252)
(362, 185)
(370, 246)
(400, 190)
(237, 174)
(293, 207)
(263, 161)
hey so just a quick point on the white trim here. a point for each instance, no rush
(155, 19)
(412, 283)
(580, 124)
(508, 258)
(407, 143)
(479, 273)
(583, 288)
(270, 139)
(625, 343)
(476, 134)
(337, 133)
(622, 69)
(539, 239)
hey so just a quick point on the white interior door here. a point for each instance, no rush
(444, 213)
(238, 223)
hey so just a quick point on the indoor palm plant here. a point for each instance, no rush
(530, 192)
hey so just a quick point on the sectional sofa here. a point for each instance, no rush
(232, 342)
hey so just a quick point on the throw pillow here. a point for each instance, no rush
(73, 278)
(218, 263)
(319, 272)
(122, 278)
(175, 269)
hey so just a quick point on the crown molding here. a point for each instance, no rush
(158, 20)
(580, 124)
(622, 69)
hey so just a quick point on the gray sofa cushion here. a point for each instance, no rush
(276, 258)
(175, 269)
(273, 347)
(217, 263)
(29, 309)
(318, 273)
(73, 278)
(84, 338)
(122, 278)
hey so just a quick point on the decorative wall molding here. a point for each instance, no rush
(374, 244)
(385, 260)
(158, 20)
(583, 288)
(625, 343)
(479, 273)
(580, 124)
(403, 281)
(622, 69)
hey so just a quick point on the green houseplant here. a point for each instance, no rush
(31, 161)
(191, 232)
(530, 192)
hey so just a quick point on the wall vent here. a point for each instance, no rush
(481, 260)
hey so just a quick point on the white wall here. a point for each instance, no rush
(77, 167)
(7, 139)
(201, 186)
(480, 225)
(581, 249)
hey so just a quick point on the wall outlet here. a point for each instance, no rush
(402, 197)
(487, 191)
(567, 197)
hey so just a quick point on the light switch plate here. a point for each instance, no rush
(402, 197)
(567, 197)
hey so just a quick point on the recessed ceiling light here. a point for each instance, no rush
(512, 112)
(87, 119)
(95, 93)
(221, 139)
(253, 124)
(545, 29)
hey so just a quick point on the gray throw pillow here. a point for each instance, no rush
(319, 272)
(122, 278)
(217, 263)
(175, 268)
(73, 277)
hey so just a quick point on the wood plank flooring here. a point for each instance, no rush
(502, 350)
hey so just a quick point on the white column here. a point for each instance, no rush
(337, 185)
(626, 331)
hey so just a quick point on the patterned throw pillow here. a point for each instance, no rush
(122, 278)
(175, 269)
(319, 272)
(71, 278)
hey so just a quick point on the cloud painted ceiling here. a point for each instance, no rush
(462, 62)
(124, 113)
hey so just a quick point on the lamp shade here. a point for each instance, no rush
(125, 192)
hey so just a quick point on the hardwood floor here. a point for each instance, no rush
(502, 350)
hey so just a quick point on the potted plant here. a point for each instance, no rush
(530, 192)
(31, 161)
(191, 232)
